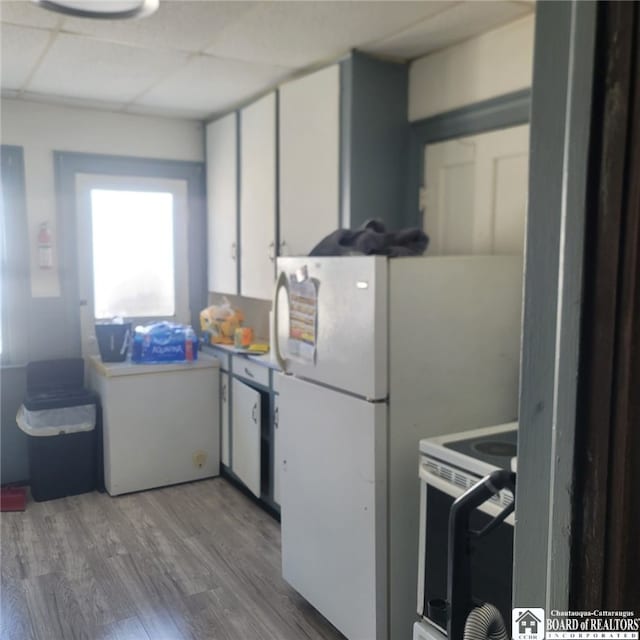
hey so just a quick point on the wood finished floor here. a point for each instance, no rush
(192, 562)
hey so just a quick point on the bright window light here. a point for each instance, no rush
(133, 254)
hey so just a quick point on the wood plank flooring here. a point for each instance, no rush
(198, 561)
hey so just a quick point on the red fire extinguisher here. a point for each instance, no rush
(45, 247)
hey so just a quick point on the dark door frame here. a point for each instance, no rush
(606, 529)
(561, 117)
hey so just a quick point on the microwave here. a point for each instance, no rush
(449, 466)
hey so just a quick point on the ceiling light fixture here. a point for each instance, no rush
(101, 9)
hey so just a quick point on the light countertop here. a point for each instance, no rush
(128, 368)
(266, 360)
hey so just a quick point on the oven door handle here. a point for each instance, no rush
(490, 508)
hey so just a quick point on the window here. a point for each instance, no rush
(149, 264)
(133, 253)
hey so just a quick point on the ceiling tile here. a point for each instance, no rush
(20, 51)
(456, 23)
(185, 25)
(212, 85)
(27, 13)
(299, 34)
(76, 66)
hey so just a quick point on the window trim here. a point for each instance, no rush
(67, 164)
(507, 110)
(15, 282)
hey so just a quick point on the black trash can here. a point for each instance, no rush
(59, 417)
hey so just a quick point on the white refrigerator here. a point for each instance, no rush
(377, 354)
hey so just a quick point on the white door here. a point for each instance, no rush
(277, 449)
(258, 198)
(224, 422)
(132, 251)
(333, 505)
(309, 127)
(476, 193)
(246, 435)
(222, 205)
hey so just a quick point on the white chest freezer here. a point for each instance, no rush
(160, 422)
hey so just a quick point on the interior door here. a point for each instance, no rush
(132, 251)
(247, 405)
(476, 193)
(333, 504)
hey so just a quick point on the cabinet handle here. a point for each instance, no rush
(276, 417)
(254, 413)
(233, 251)
(282, 250)
(224, 393)
(249, 374)
(272, 251)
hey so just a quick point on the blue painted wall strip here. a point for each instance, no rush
(16, 314)
(379, 140)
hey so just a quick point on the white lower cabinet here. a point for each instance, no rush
(247, 411)
(224, 421)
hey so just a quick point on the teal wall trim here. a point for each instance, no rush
(374, 140)
(17, 314)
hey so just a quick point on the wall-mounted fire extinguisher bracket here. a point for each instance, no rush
(45, 246)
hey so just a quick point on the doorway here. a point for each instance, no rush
(476, 193)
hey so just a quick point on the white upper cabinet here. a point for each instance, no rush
(258, 198)
(222, 205)
(309, 160)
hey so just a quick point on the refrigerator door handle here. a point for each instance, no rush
(281, 283)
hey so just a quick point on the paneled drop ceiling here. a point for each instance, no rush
(196, 59)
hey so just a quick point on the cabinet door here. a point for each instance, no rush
(246, 435)
(277, 455)
(224, 422)
(222, 205)
(309, 124)
(258, 198)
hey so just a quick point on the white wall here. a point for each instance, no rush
(41, 128)
(489, 65)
